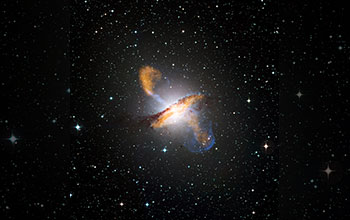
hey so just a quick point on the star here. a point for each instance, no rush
(147, 204)
(164, 150)
(13, 139)
(266, 146)
(328, 171)
(299, 94)
(78, 127)
(121, 204)
(248, 100)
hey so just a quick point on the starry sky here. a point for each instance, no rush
(276, 77)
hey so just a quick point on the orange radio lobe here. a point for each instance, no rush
(148, 78)
(201, 136)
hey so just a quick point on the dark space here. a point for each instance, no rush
(77, 140)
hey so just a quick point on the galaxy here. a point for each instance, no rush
(183, 110)
(161, 109)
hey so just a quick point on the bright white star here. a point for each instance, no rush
(78, 127)
(299, 94)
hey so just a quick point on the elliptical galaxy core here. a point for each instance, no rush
(187, 111)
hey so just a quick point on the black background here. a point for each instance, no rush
(63, 61)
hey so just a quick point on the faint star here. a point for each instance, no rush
(78, 127)
(13, 139)
(299, 94)
(328, 171)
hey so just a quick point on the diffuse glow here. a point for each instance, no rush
(201, 136)
(148, 78)
(182, 109)
(176, 109)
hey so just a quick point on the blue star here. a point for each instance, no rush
(78, 127)
(13, 139)
(164, 150)
(147, 204)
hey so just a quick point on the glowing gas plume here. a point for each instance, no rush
(201, 136)
(148, 78)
